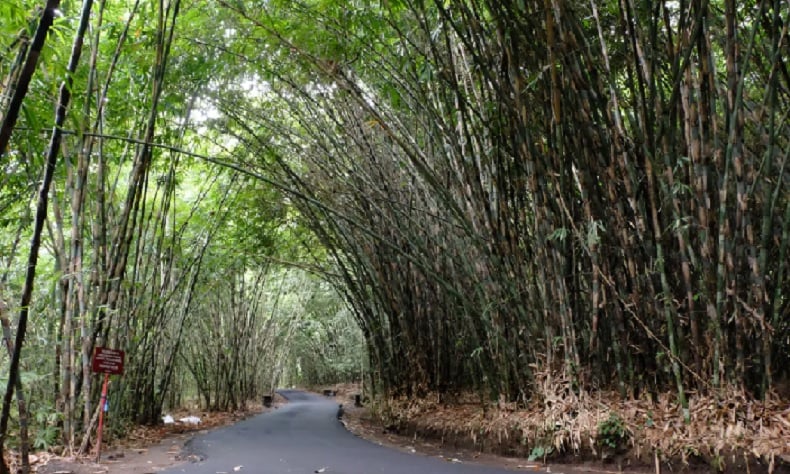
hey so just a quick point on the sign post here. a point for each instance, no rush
(101, 416)
(108, 362)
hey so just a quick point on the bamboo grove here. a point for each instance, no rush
(498, 194)
(588, 193)
(135, 243)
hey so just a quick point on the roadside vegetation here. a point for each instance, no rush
(574, 211)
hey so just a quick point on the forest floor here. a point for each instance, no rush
(603, 434)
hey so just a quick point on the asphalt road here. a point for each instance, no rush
(303, 437)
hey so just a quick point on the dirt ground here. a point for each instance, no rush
(130, 460)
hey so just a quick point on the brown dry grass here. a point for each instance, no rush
(726, 429)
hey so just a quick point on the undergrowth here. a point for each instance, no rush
(559, 422)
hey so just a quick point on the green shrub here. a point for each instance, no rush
(612, 433)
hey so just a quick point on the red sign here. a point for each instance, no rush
(108, 361)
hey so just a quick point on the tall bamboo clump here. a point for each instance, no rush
(126, 250)
(593, 191)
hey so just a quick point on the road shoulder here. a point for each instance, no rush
(148, 449)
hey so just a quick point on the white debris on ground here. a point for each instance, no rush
(187, 420)
(190, 420)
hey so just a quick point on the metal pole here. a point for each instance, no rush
(101, 416)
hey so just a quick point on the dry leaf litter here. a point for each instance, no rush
(565, 422)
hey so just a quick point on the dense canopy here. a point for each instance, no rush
(435, 197)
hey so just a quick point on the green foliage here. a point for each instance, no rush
(46, 429)
(27, 377)
(540, 452)
(325, 345)
(412, 179)
(612, 433)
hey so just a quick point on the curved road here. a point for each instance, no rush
(304, 437)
